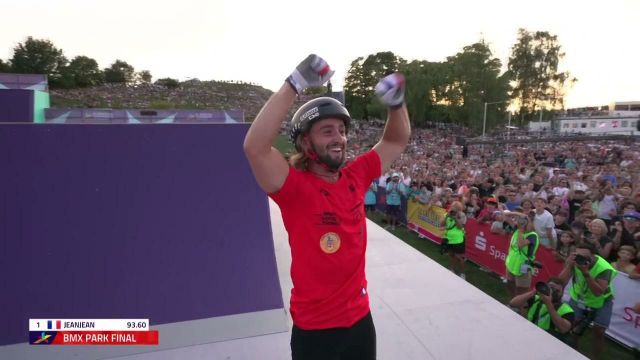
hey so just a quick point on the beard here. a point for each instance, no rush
(325, 157)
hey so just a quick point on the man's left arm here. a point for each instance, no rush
(397, 130)
(597, 285)
(552, 242)
(563, 325)
(549, 226)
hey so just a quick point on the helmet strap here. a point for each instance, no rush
(313, 156)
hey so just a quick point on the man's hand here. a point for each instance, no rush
(571, 260)
(546, 299)
(311, 72)
(584, 269)
(390, 90)
(618, 226)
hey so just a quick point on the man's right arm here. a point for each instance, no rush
(567, 270)
(522, 299)
(523, 241)
(267, 163)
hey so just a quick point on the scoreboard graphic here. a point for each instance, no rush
(91, 332)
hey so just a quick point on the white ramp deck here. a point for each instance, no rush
(420, 309)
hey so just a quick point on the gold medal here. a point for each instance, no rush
(330, 242)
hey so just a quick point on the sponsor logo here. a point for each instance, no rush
(311, 114)
(330, 243)
(497, 254)
(481, 242)
(44, 338)
(631, 316)
(328, 218)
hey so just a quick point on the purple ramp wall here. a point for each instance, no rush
(146, 116)
(118, 221)
(24, 81)
(16, 106)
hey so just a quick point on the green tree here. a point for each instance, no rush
(169, 83)
(36, 56)
(85, 71)
(317, 90)
(533, 70)
(474, 80)
(417, 91)
(144, 77)
(361, 79)
(356, 97)
(119, 72)
(5, 66)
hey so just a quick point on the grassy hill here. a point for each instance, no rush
(192, 94)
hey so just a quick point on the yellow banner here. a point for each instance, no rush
(426, 217)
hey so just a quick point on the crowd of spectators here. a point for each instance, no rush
(191, 94)
(581, 191)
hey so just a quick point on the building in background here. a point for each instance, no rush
(618, 118)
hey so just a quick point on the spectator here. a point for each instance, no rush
(560, 221)
(454, 238)
(591, 291)
(395, 190)
(576, 196)
(625, 255)
(486, 214)
(544, 225)
(370, 198)
(600, 240)
(413, 192)
(626, 233)
(521, 254)
(566, 246)
(527, 206)
(425, 194)
(472, 206)
(578, 229)
(512, 200)
(545, 308)
(562, 190)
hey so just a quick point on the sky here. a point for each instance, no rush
(262, 41)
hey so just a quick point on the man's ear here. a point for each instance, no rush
(305, 142)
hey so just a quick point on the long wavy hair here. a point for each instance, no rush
(298, 158)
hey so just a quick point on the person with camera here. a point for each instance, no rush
(321, 198)
(591, 291)
(522, 253)
(453, 238)
(545, 308)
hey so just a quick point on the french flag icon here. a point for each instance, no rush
(50, 324)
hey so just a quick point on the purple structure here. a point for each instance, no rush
(16, 105)
(24, 81)
(138, 116)
(162, 222)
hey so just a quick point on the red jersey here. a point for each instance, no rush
(328, 238)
